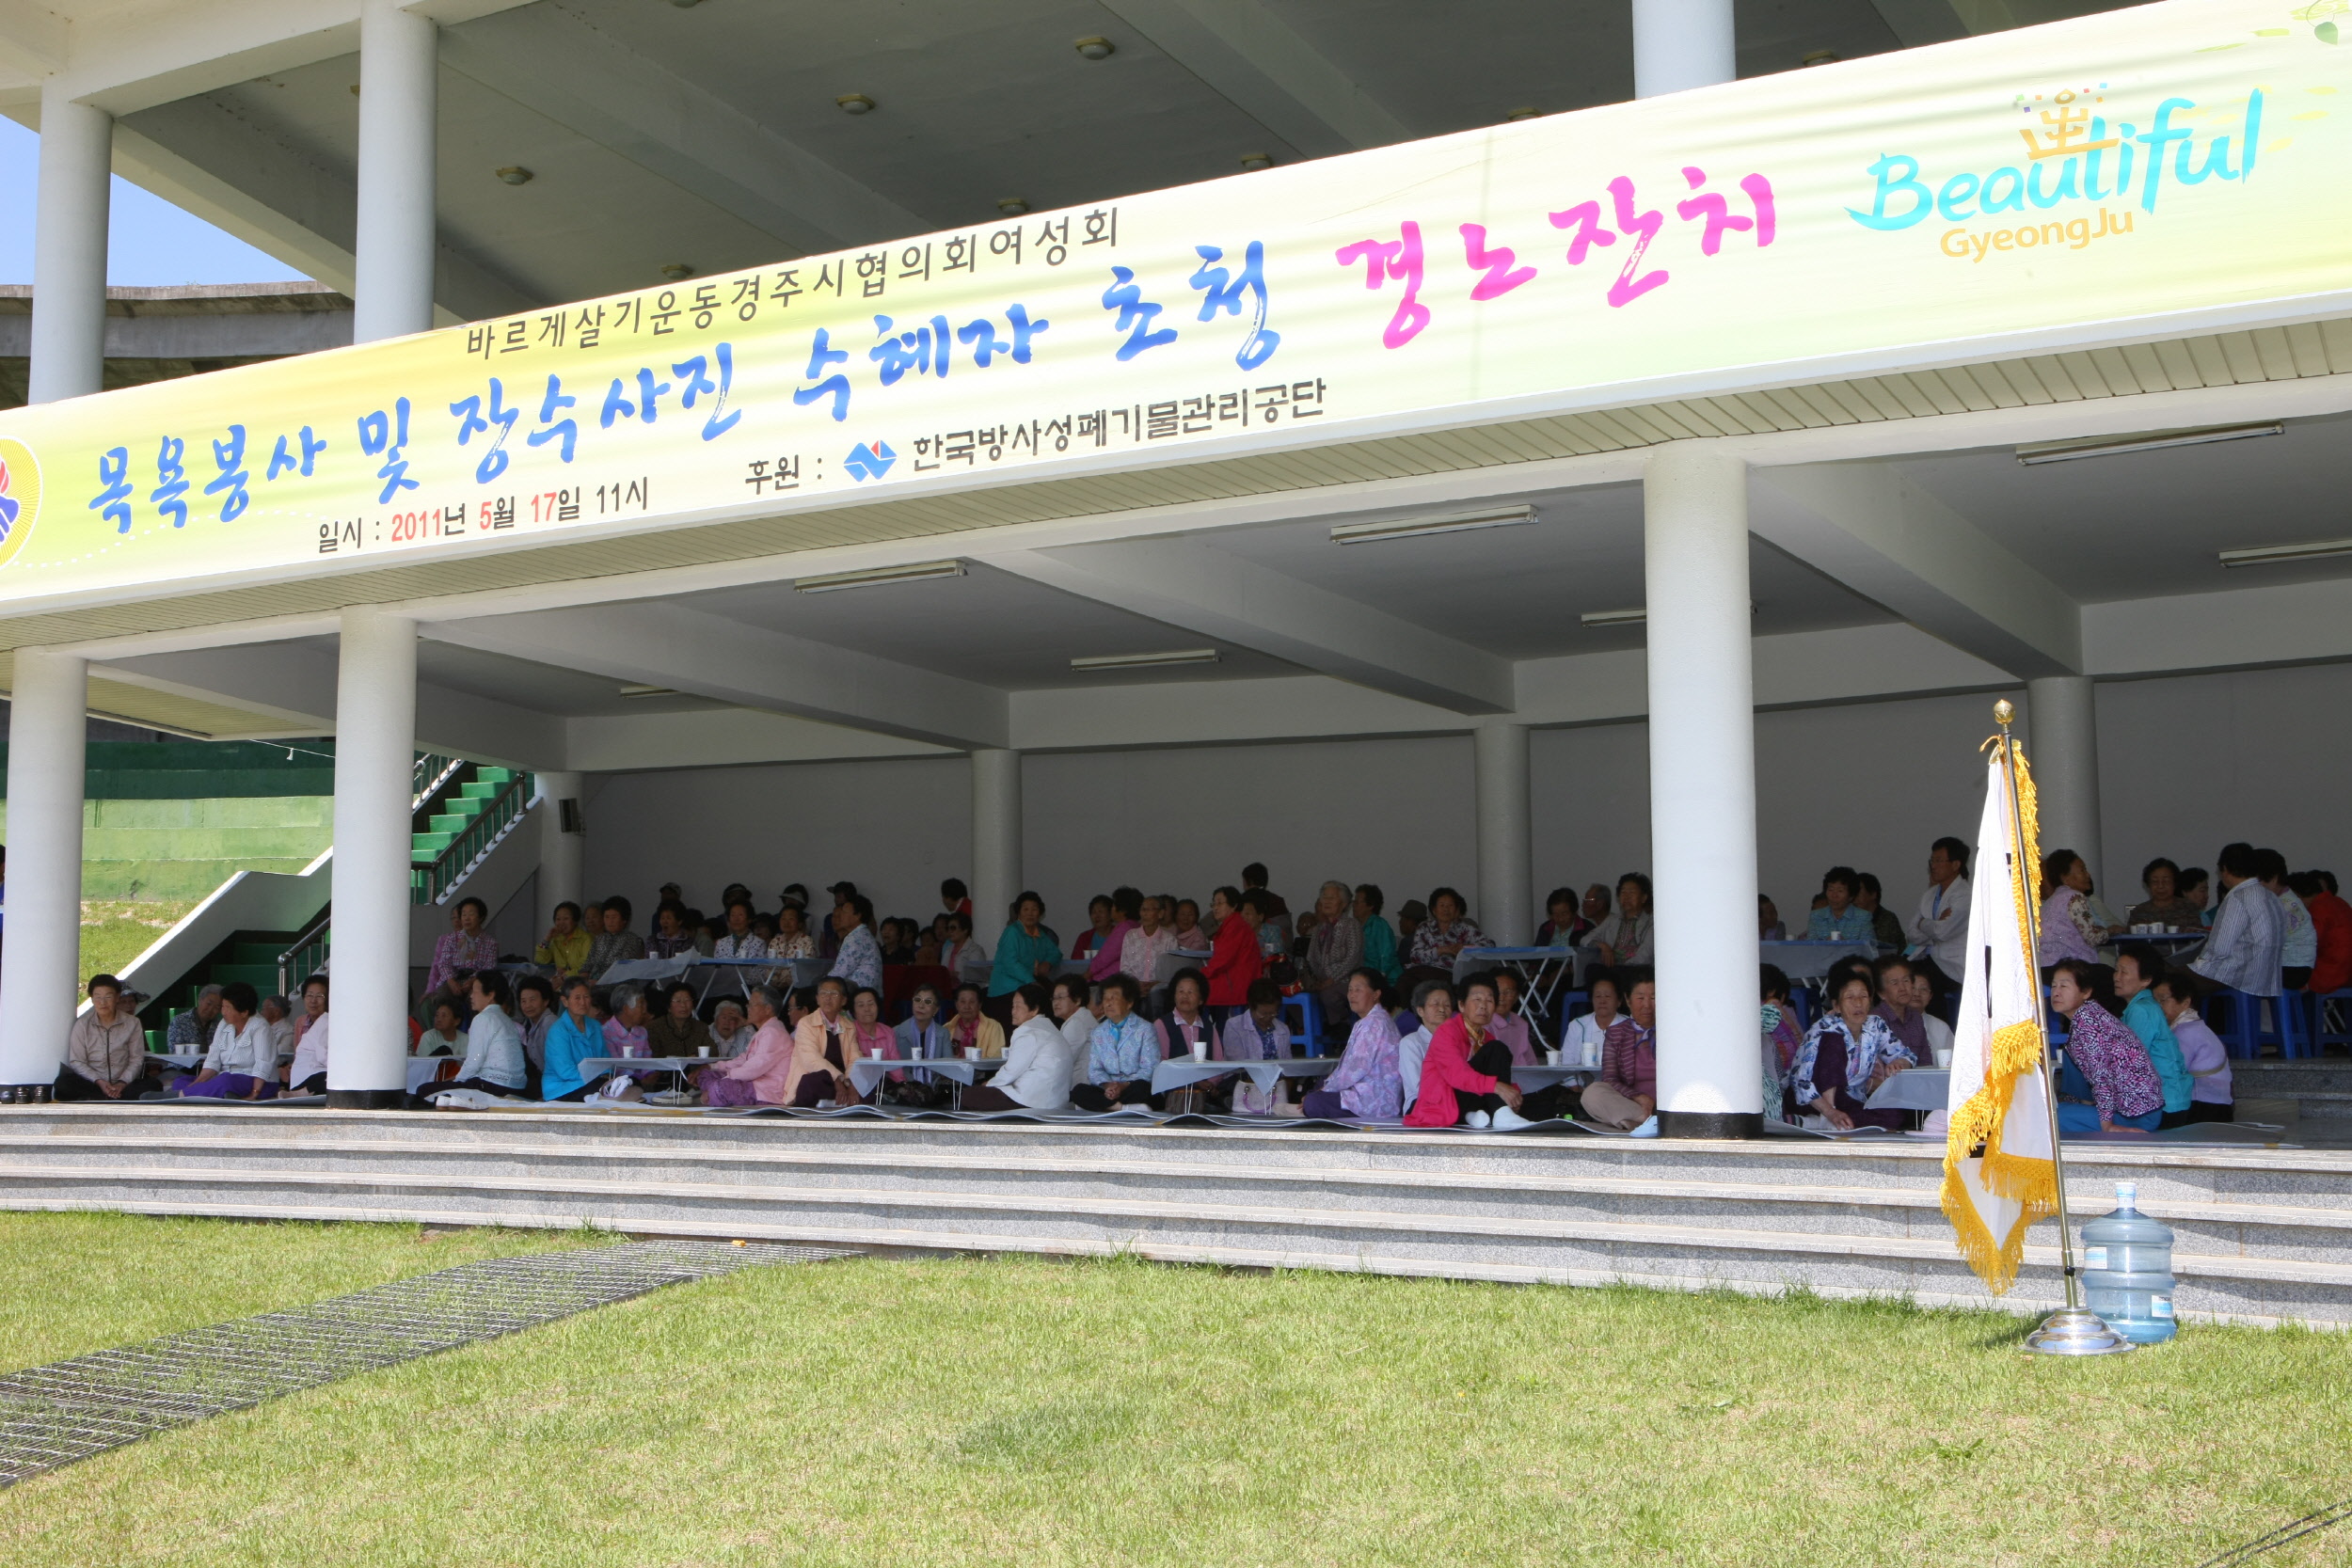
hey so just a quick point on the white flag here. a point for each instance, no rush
(1998, 1173)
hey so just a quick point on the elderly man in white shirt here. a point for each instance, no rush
(2249, 933)
(1939, 932)
(1038, 1064)
(243, 1062)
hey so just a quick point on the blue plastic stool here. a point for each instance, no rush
(2324, 1035)
(1309, 1028)
(2236, 1016)
(2290, 1027)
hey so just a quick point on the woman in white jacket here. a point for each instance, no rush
(1038, 1062)
(493, 1061)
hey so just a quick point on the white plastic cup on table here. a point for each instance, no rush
(1201, 1051)
(702, 1051)
(971, 1052)
(1551, 1055)
(1944, 1055)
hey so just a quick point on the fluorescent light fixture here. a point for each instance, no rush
(1145, 662)
(2269, 554)
(2060, 451)
(1614, 617)
(875, 576)
(1415, 527)
(634, 690)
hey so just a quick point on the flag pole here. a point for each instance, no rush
(2073, 1330)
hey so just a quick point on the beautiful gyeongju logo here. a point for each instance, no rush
(20, 496)
(870, 461)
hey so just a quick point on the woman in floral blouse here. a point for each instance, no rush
(1445, 933)
(1849, 1053)
(466, 947)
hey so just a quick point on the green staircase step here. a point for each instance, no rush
(478, 790)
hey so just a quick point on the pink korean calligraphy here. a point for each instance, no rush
(1393, 261)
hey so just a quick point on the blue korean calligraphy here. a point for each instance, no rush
(1136, 316)
(695, 373)
(985, 345)
(550, 428)
(473, 420)
(171, 481)
(645, 407)
(113, 501)
(836, 386)
(282, 459)
(229, 457)
(386, 437)
(1221, 289)
(923, 349)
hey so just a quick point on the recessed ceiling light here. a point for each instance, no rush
(2060, 451)
(1096, 49)
(1528, 113)
(874, 577)
(1013, 206)
(674, 271)
(1614, 617)
(1145, 662)
(634, 690)
(1819, 56)
(856, 103)
(1252, 162)
(1415, 527)
(2267, 554)
(513, 174)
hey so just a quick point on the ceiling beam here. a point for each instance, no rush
(707, 655)
(1223, 597)
(555, 64)
(1869, 527)
(1251, 58)
(201, 157)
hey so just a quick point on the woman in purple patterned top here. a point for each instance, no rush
(1366, 1084)
(2104, 1060)
(469, 947)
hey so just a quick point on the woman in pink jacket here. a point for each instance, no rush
(761, 1075)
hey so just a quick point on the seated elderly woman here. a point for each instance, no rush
(1256, 1033)
(1365, 1084)
(672, 938)
(824, 1048)
(1849, 1053)
(493, 1061)
(1437, 940)
(105, 1051)
(2109, 1080)
(242, 1064)
(1038, 1063)
(1511, 1025)
(1186, 1024)
(676, 1031)
(1581, 1039)
(465, 946)
(613, 941)
(1624, 1096)
(1466, 1077)
(1070, 1012)
(1628, 935)
(1334, 950)
(970, 1031)
(307, 1074)
(577, 1036)
(874, 1037)
(1433, 1003)
(762, 1074)
(1121, 1057)
(730, 1029)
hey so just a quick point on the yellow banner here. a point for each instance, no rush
(2179, 162)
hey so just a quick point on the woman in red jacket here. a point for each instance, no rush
(2332, 921)
(1235, 959)
(1466, 1075)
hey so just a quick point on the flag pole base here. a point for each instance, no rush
(2075, 1331)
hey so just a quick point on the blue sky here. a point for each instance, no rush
(151, 243)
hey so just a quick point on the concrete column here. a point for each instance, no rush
(1702, 769)
(996, 840)
(68, 351)
(2063, 725)
(561, 853)
(40, 960)
(1682, 43)
(393, 287)
(1506, 887)
(375, 741)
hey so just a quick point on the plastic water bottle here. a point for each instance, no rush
(2127, 1269)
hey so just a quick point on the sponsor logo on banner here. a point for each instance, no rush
(20, 496)
(870, 461)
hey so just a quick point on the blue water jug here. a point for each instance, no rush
(2127, 1269)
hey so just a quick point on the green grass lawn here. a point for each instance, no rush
(114, 931)
(992, 1410)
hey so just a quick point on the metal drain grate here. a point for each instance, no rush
(52, 1415)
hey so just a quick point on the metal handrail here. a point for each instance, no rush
(432, 770)
(303, 959)
(433, 883)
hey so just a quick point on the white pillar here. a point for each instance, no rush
(996, 840)
(69, 248)
(1702, 769)
(375, 729)
(392, 275)
(1682, 43)
(561, 853)
(1506, 877)
(40, 958)
(2063, 721)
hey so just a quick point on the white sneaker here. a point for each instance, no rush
(1507, 1120)
(1647, 1129)
(1477, 1119)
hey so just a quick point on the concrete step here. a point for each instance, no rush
(2262, 1234)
